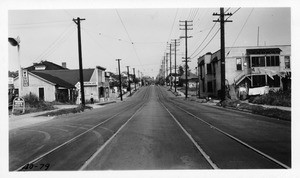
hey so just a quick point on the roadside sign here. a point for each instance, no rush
(25, 78)
(18, 104)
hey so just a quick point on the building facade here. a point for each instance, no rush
(63, 84)
(251, 66)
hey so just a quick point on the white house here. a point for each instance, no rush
(253, 66)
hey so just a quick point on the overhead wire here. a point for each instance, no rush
(205, 39)
(240, 31)
(52, 45)
(129, 37)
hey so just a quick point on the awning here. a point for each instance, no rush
(263, 51)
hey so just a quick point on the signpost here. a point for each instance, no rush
(18, 104)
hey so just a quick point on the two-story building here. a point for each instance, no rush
(250, 66)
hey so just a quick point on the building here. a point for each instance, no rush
(57, 83)
(249, 66)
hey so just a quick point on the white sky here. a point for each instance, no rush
(52, 35)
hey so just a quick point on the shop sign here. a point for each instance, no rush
(18, 104)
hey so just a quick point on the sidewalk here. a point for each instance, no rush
(17, 121)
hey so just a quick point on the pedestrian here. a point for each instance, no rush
(92, 98)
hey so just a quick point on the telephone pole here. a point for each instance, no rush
(77, 21)
(166, 66)
(186, 25)
(170, 66)
(175, 44)
(134, 78)
(222, 21)
(128, 80)
(120, 80)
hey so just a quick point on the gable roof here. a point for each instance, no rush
(48, 65)
(69, 76)
(55, 80)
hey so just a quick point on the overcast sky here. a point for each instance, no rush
(137, 36)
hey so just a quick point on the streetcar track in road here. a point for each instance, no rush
(109, 140)
(81, 134)
(88, 162)
(231, 137)
(207, 157)
(211, 163)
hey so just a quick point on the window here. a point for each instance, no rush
(259, 80)
(287, 62)
(238, 64)
(275, 82)
(272, 60)
(209, 87)
(258, 61)
(208, 68)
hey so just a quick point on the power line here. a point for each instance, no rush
(204, 38)
(240, 30)
(207, 43)
(129, 37)
(90, 36)
(207, 37)
(173, 24)
(51, 47)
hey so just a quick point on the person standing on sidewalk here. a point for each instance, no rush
(92, 98)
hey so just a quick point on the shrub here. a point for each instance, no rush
(33, 104)
(275, 98)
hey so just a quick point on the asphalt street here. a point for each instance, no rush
(152, 130)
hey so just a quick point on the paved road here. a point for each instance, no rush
(153, 130)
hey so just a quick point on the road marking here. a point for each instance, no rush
(74, 138)
(65, 143)
(46, 134)
(213, 165)
(236, 139)
(108, 141)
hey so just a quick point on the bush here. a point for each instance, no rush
(33, 104)
(275, 98)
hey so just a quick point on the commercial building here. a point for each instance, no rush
(51, 82)
(248, 66)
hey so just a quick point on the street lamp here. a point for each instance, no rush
(16, 42)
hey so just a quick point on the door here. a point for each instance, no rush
(41, 94)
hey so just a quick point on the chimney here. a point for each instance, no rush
(64, 64)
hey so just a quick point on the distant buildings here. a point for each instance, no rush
(249, 66)
(51, 82)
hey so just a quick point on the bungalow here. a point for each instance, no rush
(62, 84)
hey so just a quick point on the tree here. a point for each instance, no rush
(13, 74)
(180, 71)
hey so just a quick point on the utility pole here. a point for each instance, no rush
(196, 81)
(170, 66)
(166, 66)
(77, 21)
(175, 44)
(222, 21)
(186, 51)
(120, 80)
(164, 70)
(134, 78)
(128, 80)
(199, 70)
